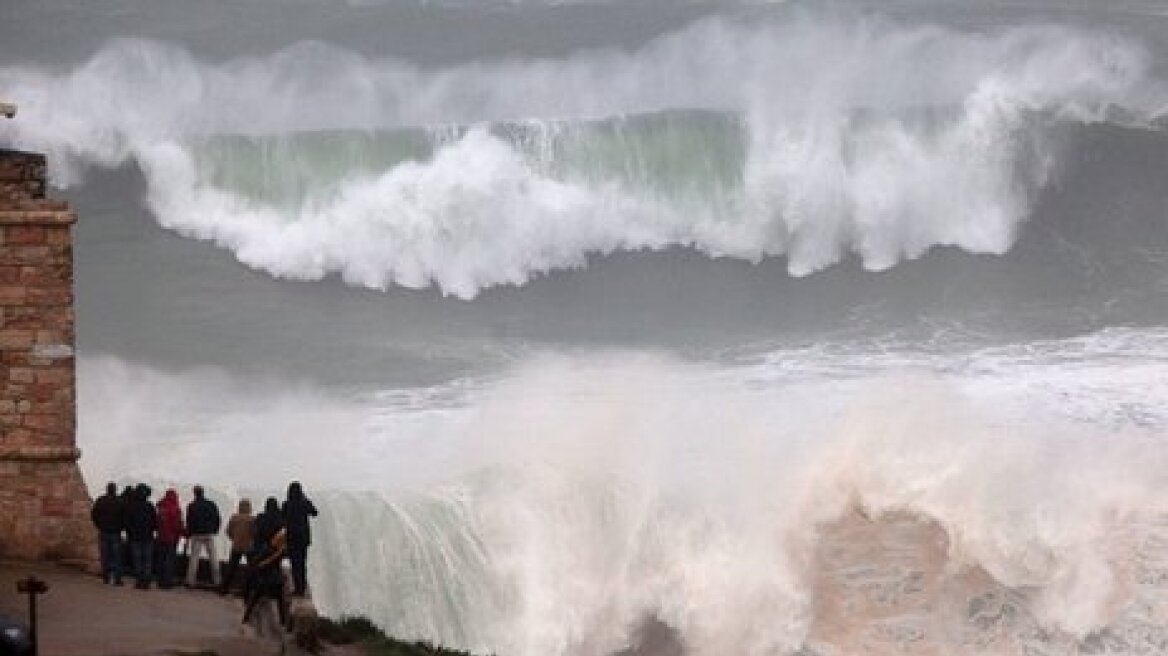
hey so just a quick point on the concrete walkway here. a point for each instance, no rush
(81, 616)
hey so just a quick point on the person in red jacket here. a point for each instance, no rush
(170, 531)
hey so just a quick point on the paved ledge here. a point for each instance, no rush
(81, 616)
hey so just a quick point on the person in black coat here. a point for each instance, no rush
(108, 515)
(202, 526)
(141, 524)
(126, 497)
(297, 509)
(268, 523)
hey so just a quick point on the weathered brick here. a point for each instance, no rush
(16, 338)
(54, 375)
(23, 254)
(58, 274)
(18, 435)
(26, 321)
(14, 390)
(56, 316)
(42, 395)
(56, 507)
(54, 295)
(12, 294)
(24, 234)
(51, 337)
(58, 236)
(47, 423)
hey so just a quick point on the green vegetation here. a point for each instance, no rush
(359, 630)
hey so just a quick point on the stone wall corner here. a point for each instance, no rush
(44, 504)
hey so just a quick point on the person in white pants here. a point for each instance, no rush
(202, 527)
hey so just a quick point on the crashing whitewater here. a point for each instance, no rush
(841, 507)
(813, 140)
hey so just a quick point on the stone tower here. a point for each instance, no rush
(44, 506)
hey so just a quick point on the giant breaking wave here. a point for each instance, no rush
(810, 138)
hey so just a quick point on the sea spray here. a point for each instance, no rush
(554, 510)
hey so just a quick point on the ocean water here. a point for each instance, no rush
(642, 327)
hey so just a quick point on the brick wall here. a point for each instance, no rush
(43, 501)
(22, 176)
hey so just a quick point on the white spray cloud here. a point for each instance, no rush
(557, 507)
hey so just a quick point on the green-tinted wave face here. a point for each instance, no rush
(674, 156)
(291, 171)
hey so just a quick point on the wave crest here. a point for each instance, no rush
(808, 138)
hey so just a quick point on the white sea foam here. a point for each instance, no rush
(861, 136)
(551, 510)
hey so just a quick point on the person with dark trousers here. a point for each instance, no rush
(297, 509)
(108, 515)
(202, 526)
(141, 524)
(127, 497)
(241, 532)
(170, 531)
(266, 577)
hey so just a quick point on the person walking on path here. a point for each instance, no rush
(202, 526)
(297, 509)
(170, 531)
(241, 531)
(141, 523)
(109, 516)
(266, 578)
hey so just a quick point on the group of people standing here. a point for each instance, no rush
(153, 533)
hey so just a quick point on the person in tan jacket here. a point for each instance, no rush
(241, 532)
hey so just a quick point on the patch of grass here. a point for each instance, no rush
(359, 630)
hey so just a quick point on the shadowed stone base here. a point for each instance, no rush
(44, 506)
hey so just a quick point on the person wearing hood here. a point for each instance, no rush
(297, 509)
(170, 531)
(267, 524)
